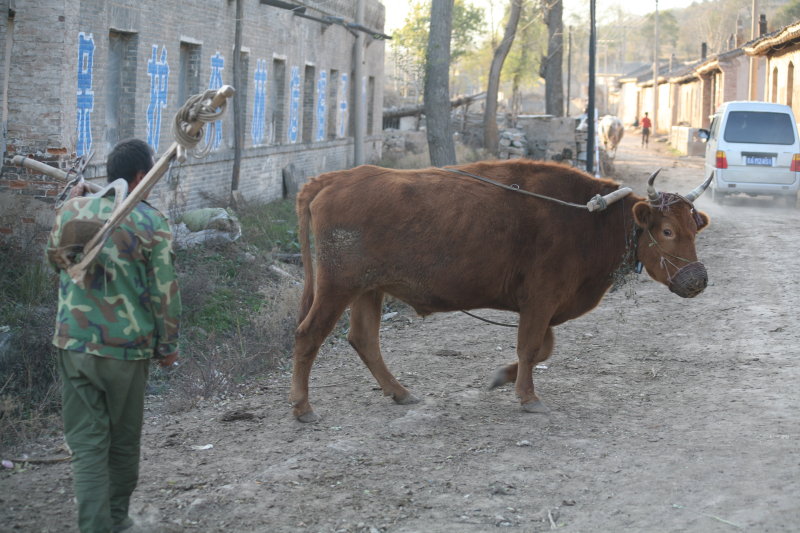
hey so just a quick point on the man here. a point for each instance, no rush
(106, 335)
(646, 125)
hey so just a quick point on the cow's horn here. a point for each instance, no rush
(652, 193)
(700, 189)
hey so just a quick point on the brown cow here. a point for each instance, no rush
(441, 241)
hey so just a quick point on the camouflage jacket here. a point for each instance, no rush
(131, 306)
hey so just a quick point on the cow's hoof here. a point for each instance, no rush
(535, 406)
(408, 399)
(500, 378)
(308, 417)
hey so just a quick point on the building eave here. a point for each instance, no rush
(773, 41)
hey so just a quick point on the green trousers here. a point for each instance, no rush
(103, 408)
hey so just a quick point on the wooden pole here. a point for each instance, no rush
(359, 106)
(47, 170)
(753, 88)
(238, 135)
(655, 77)
(590, 108)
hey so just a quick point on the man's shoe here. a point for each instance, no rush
(123, 526)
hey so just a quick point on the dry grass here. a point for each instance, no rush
(238, 323)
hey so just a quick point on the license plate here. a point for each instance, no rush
(758, 161)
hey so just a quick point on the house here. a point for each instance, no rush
(779, 53)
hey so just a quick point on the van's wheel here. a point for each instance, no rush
(790, 201)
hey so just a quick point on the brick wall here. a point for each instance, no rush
(46, 75)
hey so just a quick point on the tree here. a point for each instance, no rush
(467, 23)
(790, 11)
(522, 63)
(437, 85)
(668, 29)
(552, 64)
(490, 134)
(411, 41)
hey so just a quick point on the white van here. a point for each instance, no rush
(753, 148)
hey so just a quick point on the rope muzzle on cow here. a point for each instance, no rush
(689, 280)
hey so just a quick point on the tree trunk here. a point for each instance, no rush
(516, 98)
(553, 63)
(490, 134)
(437, 85)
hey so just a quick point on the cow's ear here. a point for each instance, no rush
(702, 221)
(642, 214)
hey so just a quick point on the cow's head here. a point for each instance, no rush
(669, 223)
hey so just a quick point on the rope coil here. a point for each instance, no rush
(197, 109)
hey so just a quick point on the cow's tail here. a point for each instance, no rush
(303, 206)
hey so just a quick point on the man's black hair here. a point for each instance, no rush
(128, 158)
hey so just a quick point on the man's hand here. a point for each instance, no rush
(168, 360)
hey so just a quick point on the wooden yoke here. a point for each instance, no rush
(78, 272)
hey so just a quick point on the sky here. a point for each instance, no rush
(397, 10)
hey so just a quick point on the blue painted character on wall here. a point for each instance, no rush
(85, 93)
(259, 102)
(322, 91)
(343, 116)
(215, 82)
(294, 105)
(158, 70)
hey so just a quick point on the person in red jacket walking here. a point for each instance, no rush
(646, 125)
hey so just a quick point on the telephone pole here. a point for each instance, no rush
(590, 147)
(655, 76)
(753, 59)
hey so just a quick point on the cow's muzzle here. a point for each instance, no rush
(689, 281)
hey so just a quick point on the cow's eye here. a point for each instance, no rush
(667, 233)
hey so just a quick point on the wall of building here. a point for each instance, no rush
(689, 103)
(628, 94)
(736, 79)
(664, 122)
(787, 65)
(87, 73)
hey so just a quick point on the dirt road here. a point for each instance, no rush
(667, 415)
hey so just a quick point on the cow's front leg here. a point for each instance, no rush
(534, 345)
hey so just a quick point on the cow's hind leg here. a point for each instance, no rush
(308, 338)
(365, 320)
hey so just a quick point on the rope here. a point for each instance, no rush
(515, 188)
(196, 110)
(490, 321)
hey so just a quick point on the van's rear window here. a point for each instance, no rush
(759, 127)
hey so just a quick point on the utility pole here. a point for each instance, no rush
(238, 136)
(655, 77)
(753, 59)
(590, 109)
(359, 107)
